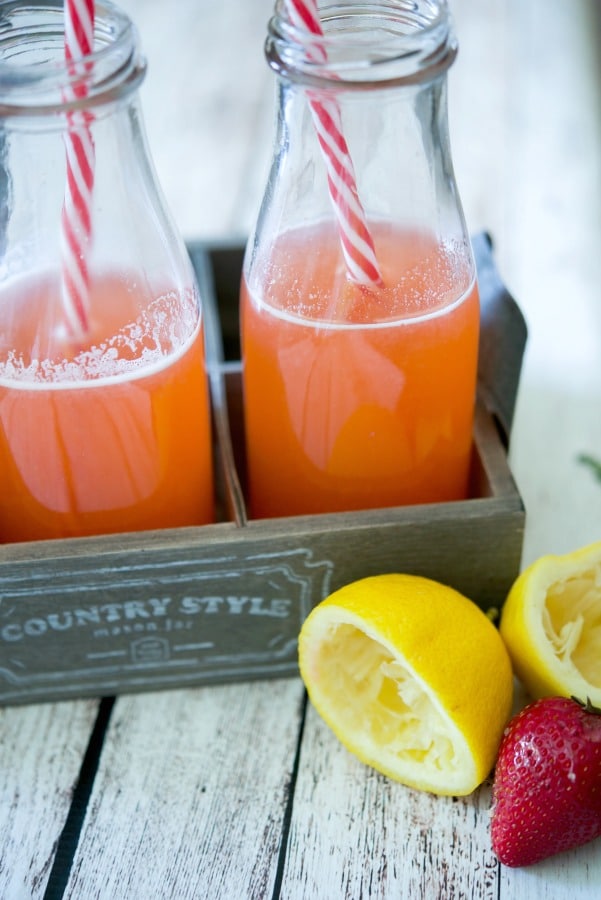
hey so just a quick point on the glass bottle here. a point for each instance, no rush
(359, 388)
(104, 408)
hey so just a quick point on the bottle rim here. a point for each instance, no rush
(365, 45)
(35, 77)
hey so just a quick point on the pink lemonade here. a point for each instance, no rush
(358, 397)
(110, 436)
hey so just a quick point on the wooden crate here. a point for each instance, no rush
(222, 602)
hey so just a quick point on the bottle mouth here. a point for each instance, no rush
(35, 77)
(364, 44)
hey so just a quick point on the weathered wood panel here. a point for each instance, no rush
(575, 875)
(191, 795)
(357, 834)
(41, 752)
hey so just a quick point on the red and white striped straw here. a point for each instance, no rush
(76, 218)
(355, 238)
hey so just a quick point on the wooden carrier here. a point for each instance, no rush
(223, 602)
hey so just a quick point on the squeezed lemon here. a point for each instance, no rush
(551, 625)
(412, 677)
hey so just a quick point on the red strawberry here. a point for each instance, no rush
(547, 783)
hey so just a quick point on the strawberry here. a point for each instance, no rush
(547, 781)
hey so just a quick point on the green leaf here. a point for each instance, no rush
(592, 463)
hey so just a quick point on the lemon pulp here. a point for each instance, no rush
(389, 706)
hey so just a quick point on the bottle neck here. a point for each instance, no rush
(364, 45)
(36, 79)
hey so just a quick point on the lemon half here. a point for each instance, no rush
(413, 679)
(551, 624)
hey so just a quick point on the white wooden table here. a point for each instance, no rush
(240, 791)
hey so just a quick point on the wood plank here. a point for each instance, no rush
(356, 834)
(41, 751)
(191, 794)
(570, 876)
(178, 607)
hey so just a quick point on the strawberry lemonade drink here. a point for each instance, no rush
(359, 305)
(104, 402)
(358, 396)
(111, 435)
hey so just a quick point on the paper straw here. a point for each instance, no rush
(76, 218)
(355, 238)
